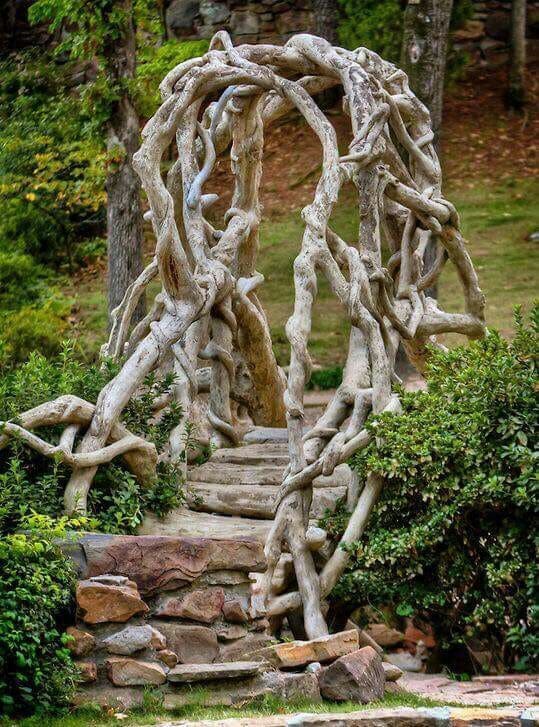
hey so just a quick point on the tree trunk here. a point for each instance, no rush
(325, 19)
(516, 93)
(124, 215)
(423, 58)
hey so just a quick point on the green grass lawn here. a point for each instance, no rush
(94, 716)
(496, 222)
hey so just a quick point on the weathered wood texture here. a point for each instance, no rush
(208, 308)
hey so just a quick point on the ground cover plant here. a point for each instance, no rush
(452, 539)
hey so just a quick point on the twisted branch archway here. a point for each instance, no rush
(208, 308)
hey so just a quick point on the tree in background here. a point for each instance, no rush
(325, 19)
(516, 92)
(424, 53)
(423, 57)
(105, 33)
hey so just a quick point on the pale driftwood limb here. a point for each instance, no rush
(208, 307)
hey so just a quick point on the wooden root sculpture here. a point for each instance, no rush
(208, 308)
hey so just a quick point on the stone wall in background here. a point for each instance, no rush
(485, 37)
(267, 21)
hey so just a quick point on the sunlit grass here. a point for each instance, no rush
(94, 716)
(496, 222)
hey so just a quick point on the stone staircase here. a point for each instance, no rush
(233, 494)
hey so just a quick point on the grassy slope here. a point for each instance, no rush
(152, 715)
(496, 222)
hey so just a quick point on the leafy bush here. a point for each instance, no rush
(155, 63)
(329, 378)
(375, 24)
(30, 483)
(452, 537)
(51, 160)
(36, 603)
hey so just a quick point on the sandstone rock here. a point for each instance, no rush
(100, 602)
(163, 563)
(293, 21)
(130, 672)
(292, 687)
(81, 642)
(242, 649)
(234, 612)
(201, 605)
(134, 638)
(384, 635)
(358, 677)
(298, 653)
(192, 644)
(414, 635)
(392, 672)
(87, 671)
(108, 696)
(168, 658)
(230, 633)
(206, 672)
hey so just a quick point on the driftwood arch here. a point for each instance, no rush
(208, 308)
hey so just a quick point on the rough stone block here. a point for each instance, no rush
(234, 611)
(134, 638)
(357, 677)
(192, 644)
(131, 672)
(298, 653)
(188, 673)
(87, 671)
(384, 635)
(200, 605)
(100, 602)
(163, 563)
(81, 642)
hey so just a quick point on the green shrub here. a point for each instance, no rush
(155, 62)
(52, 166)
(36, 603)
(38, 327)
(374, 24)
(329, 378)
(31, 483)
(452, 538)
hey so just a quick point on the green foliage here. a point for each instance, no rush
(153, 65)
(51, 161)
(29, 483)
(329, 378)
(36, 602)
(452, 537)
(374, 24)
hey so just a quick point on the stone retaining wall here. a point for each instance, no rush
(146, 603)
(485, 37)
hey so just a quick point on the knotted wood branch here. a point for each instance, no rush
(208, 308)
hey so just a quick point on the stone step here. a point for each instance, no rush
(252, 502)
(227, 473)
(189, 673)
(189, 523)
(266, 454)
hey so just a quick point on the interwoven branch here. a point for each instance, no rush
(208, 308)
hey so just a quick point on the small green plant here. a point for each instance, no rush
(36, 602)
(30, 483)
(451, 539)
(329, 378)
